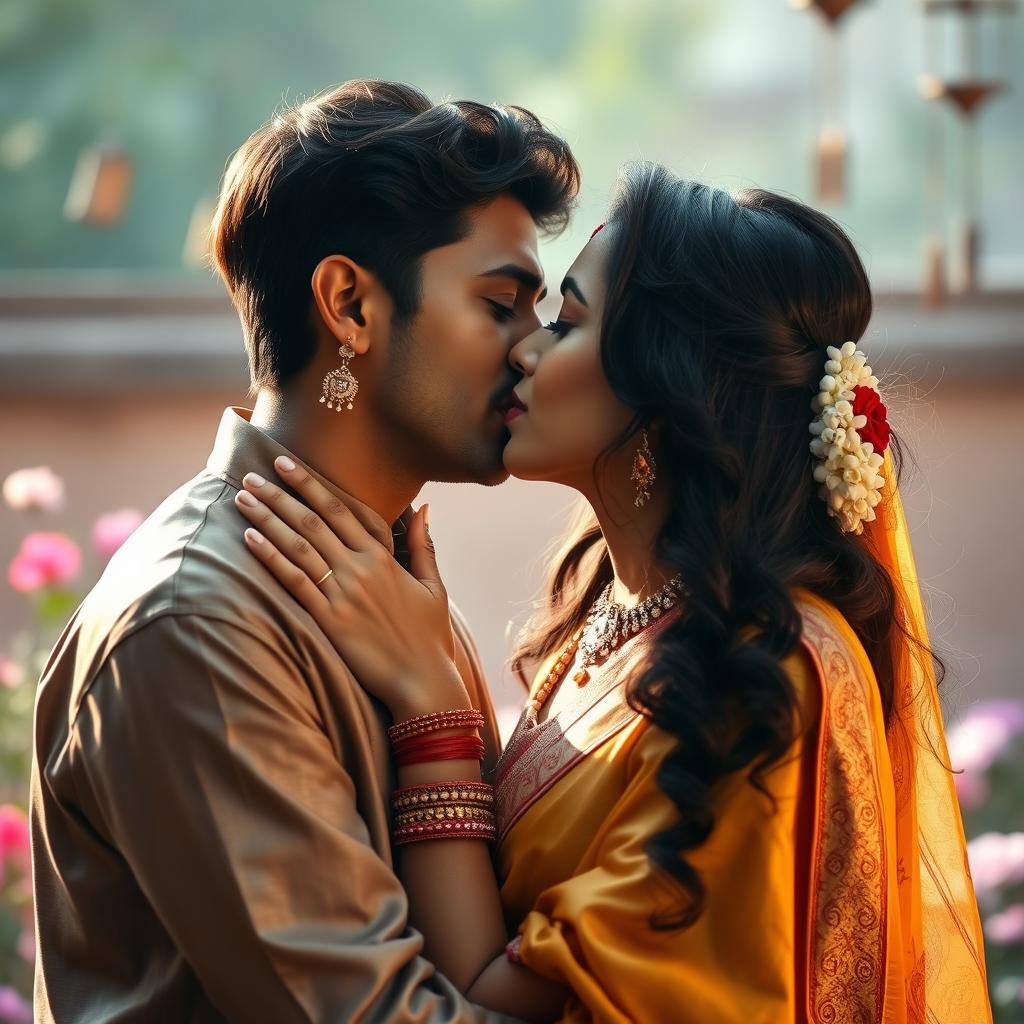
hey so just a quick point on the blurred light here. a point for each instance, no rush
(22, 143)
(831, 165)
(100, 186)
(197, 239)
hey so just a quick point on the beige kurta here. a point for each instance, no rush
(210, 791)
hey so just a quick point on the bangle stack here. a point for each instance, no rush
(446, 809)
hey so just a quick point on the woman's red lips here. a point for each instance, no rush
(513, 407)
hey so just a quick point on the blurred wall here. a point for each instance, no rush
(130, 448)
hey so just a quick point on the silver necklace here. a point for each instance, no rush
(610, 623)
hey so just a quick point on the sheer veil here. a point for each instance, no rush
(939, 918)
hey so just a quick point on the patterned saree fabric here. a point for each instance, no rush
(850, 900)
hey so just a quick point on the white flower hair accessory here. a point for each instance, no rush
(851, 431)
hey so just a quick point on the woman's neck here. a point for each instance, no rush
(631, 535)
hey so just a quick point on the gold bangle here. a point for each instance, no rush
(450, 812)
(454, 719)
(443, 792)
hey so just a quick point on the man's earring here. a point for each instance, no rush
(340, 386)
(645, 471)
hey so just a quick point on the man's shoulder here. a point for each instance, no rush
(188, 556)
(187, 563)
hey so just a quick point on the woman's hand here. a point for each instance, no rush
(392, 627)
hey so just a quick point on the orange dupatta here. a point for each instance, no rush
(940, 924)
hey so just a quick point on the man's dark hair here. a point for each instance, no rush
(377, 172)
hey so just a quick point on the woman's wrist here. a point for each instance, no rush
(439, 771)
(428, 691)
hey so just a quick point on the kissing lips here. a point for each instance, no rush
(511, 407)
(514, 410)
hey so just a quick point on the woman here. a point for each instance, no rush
(727, 797)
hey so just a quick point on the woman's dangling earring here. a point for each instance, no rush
(645, 471)
(340, 386)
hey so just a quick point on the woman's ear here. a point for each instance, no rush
(350, 301)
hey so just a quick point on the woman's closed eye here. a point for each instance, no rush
(559, 328)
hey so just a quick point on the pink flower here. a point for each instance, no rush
(14, 832)
(15, 842)
(972, 789)
(36, 488)
(985, 732)
(44, 559)
(996, 859)
(27, 945)
(12, 675)
(14, 1008)
(1008, 926)
(110, 531)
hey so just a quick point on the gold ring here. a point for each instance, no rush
(326, 576)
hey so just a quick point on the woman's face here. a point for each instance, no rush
(571, 413)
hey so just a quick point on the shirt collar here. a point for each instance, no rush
(241, 448)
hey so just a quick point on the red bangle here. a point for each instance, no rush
(419, 749)
(457, 829)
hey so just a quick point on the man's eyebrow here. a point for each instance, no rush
(527, 278)
(570, 285)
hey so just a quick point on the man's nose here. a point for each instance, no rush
(526, 325)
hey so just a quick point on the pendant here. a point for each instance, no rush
(601, 636)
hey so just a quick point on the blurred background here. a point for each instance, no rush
(119, 350)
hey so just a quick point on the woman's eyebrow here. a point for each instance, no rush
(523, 275)
(570, 285)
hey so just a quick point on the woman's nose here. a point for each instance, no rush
(523, 357)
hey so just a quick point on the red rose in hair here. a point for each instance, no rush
(867, 402)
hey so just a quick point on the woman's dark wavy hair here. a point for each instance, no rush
(378, 172)
(719, 309)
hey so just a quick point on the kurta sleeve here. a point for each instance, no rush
(735, 965)
(199, 752)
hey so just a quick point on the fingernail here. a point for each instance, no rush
(426, 515)
(284, 464)
(254, 535)
(245, 498)
(253, 479)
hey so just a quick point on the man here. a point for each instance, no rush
(210, 787)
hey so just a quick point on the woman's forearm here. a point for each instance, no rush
(512, 989)
(453, 894)
(454, 901)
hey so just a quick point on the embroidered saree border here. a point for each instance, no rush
(536, 758)
(848, 888)
(846, 949)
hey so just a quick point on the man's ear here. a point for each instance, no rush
(350, 301)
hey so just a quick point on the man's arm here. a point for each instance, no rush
(199, 753)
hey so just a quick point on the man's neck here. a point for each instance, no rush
(341, 447)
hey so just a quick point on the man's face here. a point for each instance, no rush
(447, 368)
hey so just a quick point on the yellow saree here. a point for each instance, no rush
(852, 902)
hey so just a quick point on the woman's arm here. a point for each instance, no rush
(454, 902)
(394, 630)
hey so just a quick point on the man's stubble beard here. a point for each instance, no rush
(418, 421)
